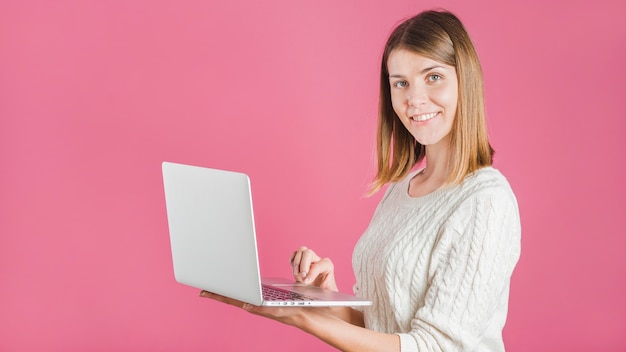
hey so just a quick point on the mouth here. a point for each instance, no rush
(424, 117)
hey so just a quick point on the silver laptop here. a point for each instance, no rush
(213, 240)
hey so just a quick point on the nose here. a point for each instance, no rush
(416, 97)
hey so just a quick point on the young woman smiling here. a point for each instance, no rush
(438, 255)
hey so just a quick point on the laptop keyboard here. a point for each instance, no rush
(275, 294)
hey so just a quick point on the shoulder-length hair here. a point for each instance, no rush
(439, 36)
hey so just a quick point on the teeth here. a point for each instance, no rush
(424, 117)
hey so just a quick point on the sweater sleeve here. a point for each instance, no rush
(478, 247)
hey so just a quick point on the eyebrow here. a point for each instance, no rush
(421, 72)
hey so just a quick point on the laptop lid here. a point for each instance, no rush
(213, 239)
(212, 231)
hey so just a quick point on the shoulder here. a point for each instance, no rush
(487, 210)
(487, 182)
(486, 191)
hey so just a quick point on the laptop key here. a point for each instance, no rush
(276, 294)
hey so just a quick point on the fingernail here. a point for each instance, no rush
(303, 274)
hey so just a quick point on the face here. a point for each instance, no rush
(424, 95)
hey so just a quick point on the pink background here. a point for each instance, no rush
(95, 94)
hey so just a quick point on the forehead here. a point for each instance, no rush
(403, 61)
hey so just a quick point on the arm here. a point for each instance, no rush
(465, 302)
(349, 315)
(324, 323)
(340, 327)
(343, 335)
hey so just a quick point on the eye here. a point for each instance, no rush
(434, 77)
(400, 84)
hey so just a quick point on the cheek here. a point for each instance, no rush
(398, 104)
(446, 97)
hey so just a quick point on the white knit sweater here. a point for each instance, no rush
(438, 267)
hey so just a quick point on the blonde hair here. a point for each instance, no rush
(440, 36)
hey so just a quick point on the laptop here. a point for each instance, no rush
(213, 241)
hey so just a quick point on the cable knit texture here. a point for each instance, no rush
(438, 267)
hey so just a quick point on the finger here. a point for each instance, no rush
(296, 254)
(319, 272)
(308, 258)
(295, 261)
(292, 257)
(248, 307)
(223, 299)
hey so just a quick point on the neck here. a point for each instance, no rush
(434, 175)
(437, 162)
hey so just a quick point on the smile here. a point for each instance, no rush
(424, 117)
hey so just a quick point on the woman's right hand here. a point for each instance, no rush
(310, 269)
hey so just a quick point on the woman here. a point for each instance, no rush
(438, 255)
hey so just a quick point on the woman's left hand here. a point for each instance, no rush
(286, 315)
